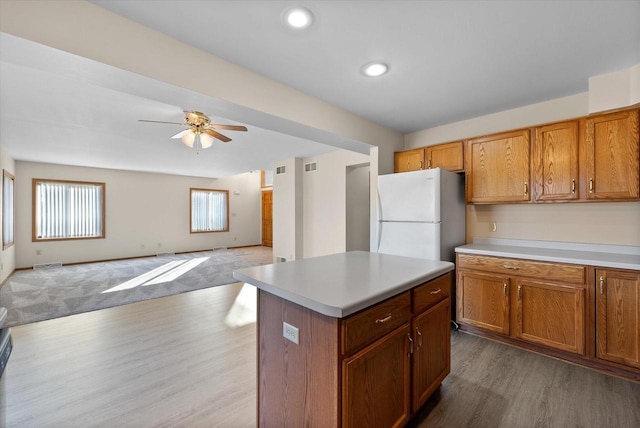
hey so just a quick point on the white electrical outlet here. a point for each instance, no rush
(291, 333)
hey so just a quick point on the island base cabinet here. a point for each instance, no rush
(376, 383)
(432, 355)
(618, 316)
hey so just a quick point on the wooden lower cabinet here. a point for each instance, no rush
(484, 301)
(375, 383)
(552, 315)
(586, 315)
(618, 316)
(374, 368)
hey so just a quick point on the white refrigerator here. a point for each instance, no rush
(421, 214)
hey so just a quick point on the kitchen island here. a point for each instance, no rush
(350, 339)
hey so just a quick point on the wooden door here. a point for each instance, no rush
(613, 156)
(409, 160)
(498, 168)
(618, 316)
(483, 301)
(447, 156)
(267, 218)
(375, 383)
(551, 315)
(432, 356)
(555, 156)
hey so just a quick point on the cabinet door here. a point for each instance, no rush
(498, 168)
(551, 314)
(375, 383)
(555, 154)
(409, 160)
(618, 316)
(483, 301)
(447, 156)
(613, 156)
(432, 355)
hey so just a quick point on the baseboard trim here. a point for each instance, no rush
(7, 278)
(130, 258)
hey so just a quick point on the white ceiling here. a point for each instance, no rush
(450, 60)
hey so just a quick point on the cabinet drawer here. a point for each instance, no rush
(574, 274)
(370, 324)
(431, 293)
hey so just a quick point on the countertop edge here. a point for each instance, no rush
(594, 259)
(337, 312)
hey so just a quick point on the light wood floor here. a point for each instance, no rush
(173, 362)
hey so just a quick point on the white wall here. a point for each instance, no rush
(145, 214)
(8, 256)
(287, 210)
(597, 222)
(324, 202)
(614, 90)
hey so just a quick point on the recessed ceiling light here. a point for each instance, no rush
(298, 17)
(375, 69)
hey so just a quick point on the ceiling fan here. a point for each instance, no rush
(201, 131)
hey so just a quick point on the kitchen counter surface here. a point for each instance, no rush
(341, 284)
(607, 256)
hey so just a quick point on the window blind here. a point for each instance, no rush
(209, 210)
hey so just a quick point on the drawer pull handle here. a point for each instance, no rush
(591, 185)
(419, 338)
(410, 344)
(526, 188)
(429, 164)
(511, 267)
(504, 289)
(602, 285)
(383, 320)
(573, 186)
(421, 165)
(519, 292)
(436, 291)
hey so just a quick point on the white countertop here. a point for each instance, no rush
(341, 284)
(607, 256)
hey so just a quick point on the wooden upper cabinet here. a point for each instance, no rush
(409, 160)
(612, 155)
(447, 156)
(555, 160)
(618, 316)
(497, 168)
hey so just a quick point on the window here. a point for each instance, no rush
(7, 209)
(67, 210)
(209, 210)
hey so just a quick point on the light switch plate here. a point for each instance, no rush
(291, 333)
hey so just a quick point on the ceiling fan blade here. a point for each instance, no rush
(228, 127)
(160, 121)
(217, 135)
(181, 133)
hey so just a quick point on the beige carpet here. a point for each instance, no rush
(36, 295)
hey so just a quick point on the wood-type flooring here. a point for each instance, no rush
(180, 361)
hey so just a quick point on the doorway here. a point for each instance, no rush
(357, 218)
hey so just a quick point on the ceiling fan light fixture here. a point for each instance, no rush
(189, 138)
(298, 18)
(206, 140)
(375, 69)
